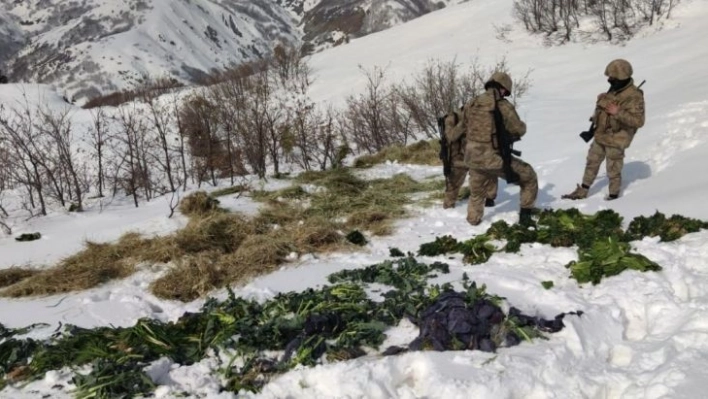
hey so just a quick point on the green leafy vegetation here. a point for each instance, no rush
(607, 258)
(668, 229)
(333, 323)
(603, 246)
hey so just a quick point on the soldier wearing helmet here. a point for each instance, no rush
(481, 149)
(619, 113)
(458, 172)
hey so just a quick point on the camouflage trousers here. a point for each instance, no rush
(480, 178)
(614, 161)
(455, 180)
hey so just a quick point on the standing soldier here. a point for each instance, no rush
(618, 115)
(455, 178)
(483, 150)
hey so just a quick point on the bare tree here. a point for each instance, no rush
(98, 137)
(199, 120)
(181, 138)
(174, 203)
(230, 99)
(436, 90)
(17, 130)
(4, 185)
(160, 119)
(270, 114)
(365, 119)
(132, 153)
(441, 87)
(57, 127)
(614, 19)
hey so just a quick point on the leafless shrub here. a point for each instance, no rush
(5, 179)
(134, 151)
(502, 32)
(314, 139)
(199, 123)
(615, 20)
(442, 86)
(26, 161)
(65, 169)
(160, 123)
(369, 118)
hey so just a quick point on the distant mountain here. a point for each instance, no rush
(91, 47)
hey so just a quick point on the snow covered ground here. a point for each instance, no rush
(643, 335)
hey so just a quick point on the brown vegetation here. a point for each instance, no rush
(155, 87)
(218, 248)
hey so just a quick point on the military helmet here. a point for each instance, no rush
(619, 69)
(503, 79)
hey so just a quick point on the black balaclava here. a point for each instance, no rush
(616, 84)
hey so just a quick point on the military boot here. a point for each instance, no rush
(450, 199)
(525, 218)
(581, 192)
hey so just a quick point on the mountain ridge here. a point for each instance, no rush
(95, 47)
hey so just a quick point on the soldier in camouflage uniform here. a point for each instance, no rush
(618, 115)
(458, 171)
(481, 151)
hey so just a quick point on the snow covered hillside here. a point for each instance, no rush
(97, 47)
(642, 335)
(84, 49)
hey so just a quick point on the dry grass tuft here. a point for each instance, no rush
(292, 192)
(159, 250)
(239, 188)
(364, 219)
(197, 204)
(419, 153)
(264, 251)
(13, 275)
(317, 235)
(193, 277)
(341, 181)
(217, 248)
(221, 232)
(198, 274)
(277, 214)
(95, 265)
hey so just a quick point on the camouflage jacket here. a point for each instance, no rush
(456, 145)
(618, 130)
(479, 127)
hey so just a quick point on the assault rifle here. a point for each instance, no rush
(590, 133)
(505, 146)
(445, 146)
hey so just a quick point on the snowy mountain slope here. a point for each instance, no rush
(330, 23)
(11, 37)
(98, 46)
(643, 335)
